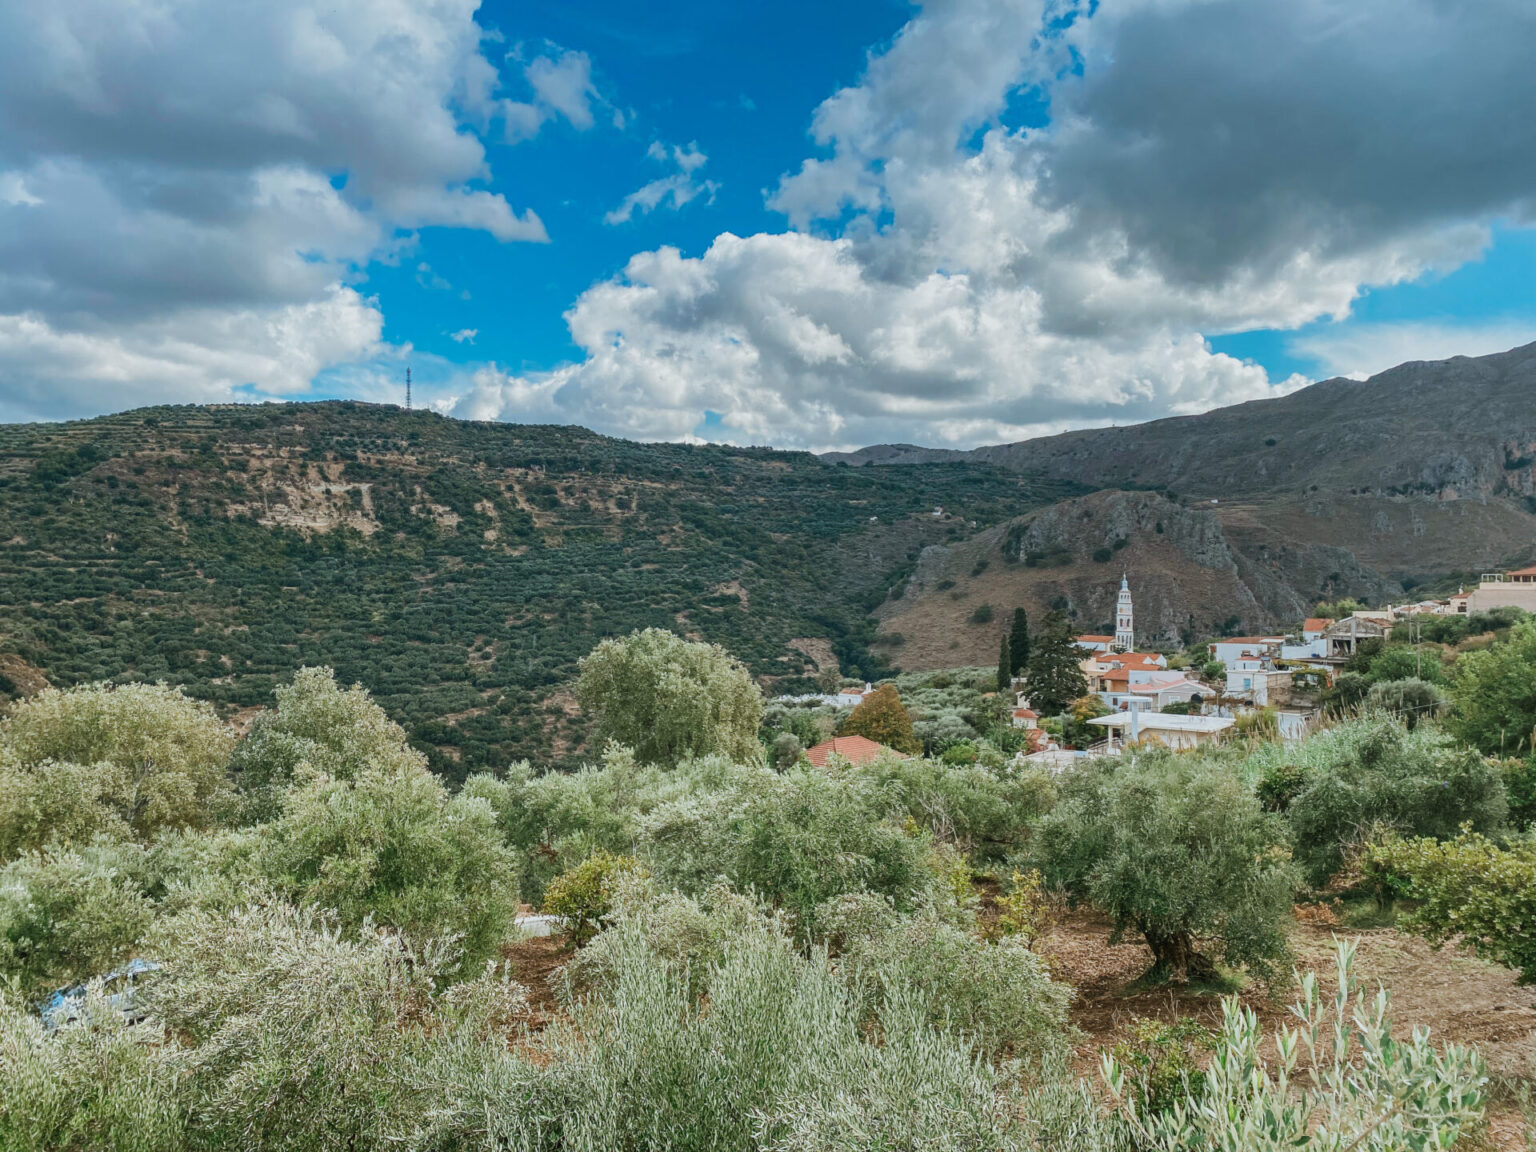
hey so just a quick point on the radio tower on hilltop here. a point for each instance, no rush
(407, 389)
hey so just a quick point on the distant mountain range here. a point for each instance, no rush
(461, 569)
(1245, 516)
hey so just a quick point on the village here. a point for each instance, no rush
(1277, 682)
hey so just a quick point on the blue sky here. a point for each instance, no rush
(954, 222)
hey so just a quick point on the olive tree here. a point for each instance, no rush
(670, 698)
(144, 755)
(1178, 849)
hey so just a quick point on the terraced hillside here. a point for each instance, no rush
(457, 569)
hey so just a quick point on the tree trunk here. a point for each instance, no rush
(1176, 960)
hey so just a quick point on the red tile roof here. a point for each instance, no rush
(1314, 624)
(1531, 571)
(1096, 639)
(1026, 714)
(854, 749)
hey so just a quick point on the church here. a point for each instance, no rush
(1125, 620)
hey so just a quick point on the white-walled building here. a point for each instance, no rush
(1176, 732)
(1125, 620)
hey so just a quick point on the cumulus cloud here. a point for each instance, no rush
(1209, 166)
(187, 190)
(464, 335)
(560, 84)
(679, 188)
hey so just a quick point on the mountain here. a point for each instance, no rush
(1243, 517)
(458, 570)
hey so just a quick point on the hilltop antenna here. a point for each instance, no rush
(407, 388)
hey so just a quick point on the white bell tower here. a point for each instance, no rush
(1125, 626)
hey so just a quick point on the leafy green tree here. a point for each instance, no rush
(1004, 667)
(1412, 701)
(1494, 694)
(669, 698)
(1178, 849)
(155, 759)
(1468, 888)
(1018, 642)
(1374, 772)
(1054, 677)
(881, 717)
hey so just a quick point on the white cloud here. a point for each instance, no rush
(680, 187)
(1361, 350)
(953, 279)
(561, 84)
(188, 189)
(464, 335)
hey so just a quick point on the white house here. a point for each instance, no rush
(1176, 732)
(1232, 647)
(1096, 643)
(849, 697)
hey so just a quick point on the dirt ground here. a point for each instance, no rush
(1457, 997)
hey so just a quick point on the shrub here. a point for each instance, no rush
(391, 847)
(768, 1050)
(1363, 1090)
(1411, 701)
(982, 615)
(84, 1088)
(1373, 771)
(68, 916)
(159, 755)
(1178, 849)
(60, 804)
(1026, 911)
(304, 1036)
(1160, 1062)
(1470, 888)
(670, 699)
(336, 731)
(1000, 995)
(583, 897)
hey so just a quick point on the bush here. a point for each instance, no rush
(68, 916)
(1161, 1062)
(1495, 709)
(1469, 888)
(769, 1049)
(1363, 1089)
(303, 1036)
(85, 1088)
(1000, 995)
(391, 847)
(583, 897)
(982, 615)
(1373, 771)
(157, 755)
(1177, 848)
(338, 732)
(1411, 701)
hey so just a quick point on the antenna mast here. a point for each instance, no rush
(407, 388)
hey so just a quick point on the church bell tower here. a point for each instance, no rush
(1125, 626)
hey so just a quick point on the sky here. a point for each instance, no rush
(809, 225)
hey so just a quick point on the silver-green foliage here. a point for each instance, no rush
(670, 698)
(127, 759)
(1339, 1083)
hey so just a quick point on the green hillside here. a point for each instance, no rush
(456, 569)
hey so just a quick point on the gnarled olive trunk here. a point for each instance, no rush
(1175, 958)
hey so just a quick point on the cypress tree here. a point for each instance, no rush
(1054, 679)
(1004, 666)
(1018, 642)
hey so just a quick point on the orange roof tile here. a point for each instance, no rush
(856, 750)
(1314, 624)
